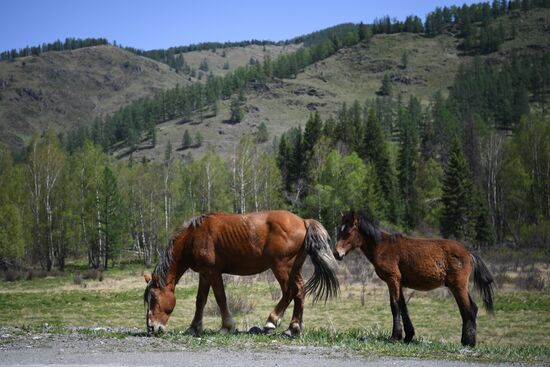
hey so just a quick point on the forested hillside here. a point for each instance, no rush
(438, 128)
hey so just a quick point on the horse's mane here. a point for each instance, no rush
(165, 259)
(368, 227)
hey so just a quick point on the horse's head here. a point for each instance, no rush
(160, 302)
(348, 234)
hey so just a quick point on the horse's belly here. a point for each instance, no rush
(423, 279)
(425, 284)
(245, 269)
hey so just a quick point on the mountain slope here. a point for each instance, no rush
(67, 89)
(71, 88)
(353, 73)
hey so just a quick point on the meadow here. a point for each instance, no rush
(110, 304)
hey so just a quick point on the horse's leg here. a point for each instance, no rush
(297, 292)
(407, 324)
(228, 324)
(202, 294)
(468, 312)
(394, 287)
(282, 273)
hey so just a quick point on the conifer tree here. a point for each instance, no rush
(456, 218)
(312, 133)
(198, 139)
(262, 135)
(386, 87)
(297, 163)
(407, 166)
(375, 150)
(236, 109)
(484, 233)
(283, 160)
(186, 142)
(362, 32)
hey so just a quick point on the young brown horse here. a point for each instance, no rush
(243, 244)
(417, 263)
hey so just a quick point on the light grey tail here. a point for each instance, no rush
(483, 281)
(324, 283)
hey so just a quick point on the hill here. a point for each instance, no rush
(353, 73)
(71, 88)
(223, 60)
(68, 89)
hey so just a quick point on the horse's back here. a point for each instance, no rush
(245, 244)
(427, 263)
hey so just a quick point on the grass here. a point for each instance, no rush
(517, 332)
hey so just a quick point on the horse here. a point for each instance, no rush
(242, 244)
(418, 263)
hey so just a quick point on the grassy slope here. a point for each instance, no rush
(351, 74)
(234, 56)
(66, 89)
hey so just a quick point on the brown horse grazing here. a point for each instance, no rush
(417, 263)
(243, 244)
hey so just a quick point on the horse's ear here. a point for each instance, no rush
(147, 278)
(341, 214)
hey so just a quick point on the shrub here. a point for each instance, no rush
(536, 235)
(532, 279)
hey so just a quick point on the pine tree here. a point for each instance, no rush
(375, 150)
(312, 133)
(484, 233)
(362, 32)
(262, 135)
(407, 166)
(283, 160)
(456, 218)
(236, 109)
(204, 65)
(186, 142)
(168, 152)
(296, 164)
(386, 87)
(198, 139)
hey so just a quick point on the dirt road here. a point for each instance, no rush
(81, 349)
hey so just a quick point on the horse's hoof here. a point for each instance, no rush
(232, 330)
(291, 333)
(193, 332)
(255, 330)
(408, 339)
(270, 327)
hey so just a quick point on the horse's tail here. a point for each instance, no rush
(483, 281)
(324, 283)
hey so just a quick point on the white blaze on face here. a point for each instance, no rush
(343, 227)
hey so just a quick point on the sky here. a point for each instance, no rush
(160, 24)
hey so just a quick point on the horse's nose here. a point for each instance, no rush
(337, 255)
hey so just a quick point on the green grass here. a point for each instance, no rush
(517, 332)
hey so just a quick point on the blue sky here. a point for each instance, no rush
(160, 24)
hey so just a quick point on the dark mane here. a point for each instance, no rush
(165, 260)
(367, 226)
